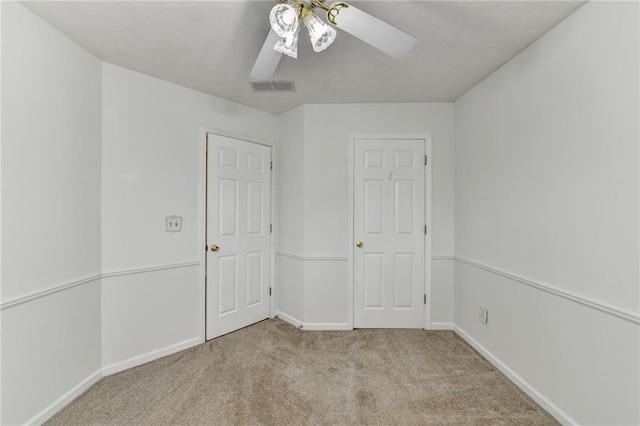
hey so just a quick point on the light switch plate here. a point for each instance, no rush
(173, 223)
(484, 315)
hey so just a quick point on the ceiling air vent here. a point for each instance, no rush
(272, 86)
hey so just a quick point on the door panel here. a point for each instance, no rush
(227, 284)
(228, 205)
(238, 217)
(373, 286)
(389, 219)
(404, 196)
(254, 278)
(255, 194)
(373, 202)
(403, 280)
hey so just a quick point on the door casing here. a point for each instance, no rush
(202, 220)
(428, 212)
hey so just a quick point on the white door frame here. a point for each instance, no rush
(202, 220)
(426, 137)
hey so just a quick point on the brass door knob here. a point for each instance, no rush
(359, 244)
(214, 247)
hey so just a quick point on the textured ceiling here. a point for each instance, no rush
(211, 46)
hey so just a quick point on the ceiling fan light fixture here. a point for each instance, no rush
(288, 44)
(284, 19)
(285, 23)
(321, 34)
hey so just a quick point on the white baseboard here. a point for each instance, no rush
(440, 326)
(551, 408)
(288, 318)
(69, 396)
(320, 326)
(150, 356)
(312, 326)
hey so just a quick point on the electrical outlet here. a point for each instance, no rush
(173, 224)
(484, 315)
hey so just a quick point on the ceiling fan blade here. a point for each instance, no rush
(268, 59)
(372, 30)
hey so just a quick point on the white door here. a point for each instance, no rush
(389, 233)
(238, 234)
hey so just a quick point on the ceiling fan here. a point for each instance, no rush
(287, 16)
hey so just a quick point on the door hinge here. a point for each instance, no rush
(425, 160)
(425, 230)
(425, 299)
(271, 228)
(271, 165)
(269, 291)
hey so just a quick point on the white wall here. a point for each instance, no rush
(50, 214)
(323, 243)
(290, 227)
(152, 167)
(546, 184)
(546, 195)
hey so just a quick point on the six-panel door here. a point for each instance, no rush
(238, 226)
(389, 224)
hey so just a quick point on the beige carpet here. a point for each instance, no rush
(272, 373)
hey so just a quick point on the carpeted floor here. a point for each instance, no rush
(272, 373)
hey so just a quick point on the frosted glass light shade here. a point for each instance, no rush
(321, 34)
(288, 44)
(284, 20)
